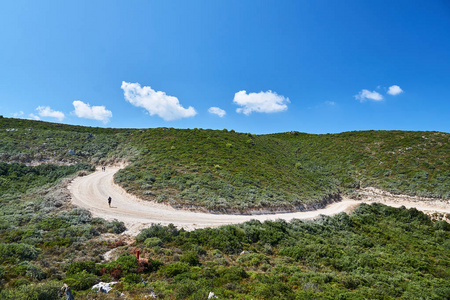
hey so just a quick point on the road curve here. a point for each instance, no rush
(92, 191)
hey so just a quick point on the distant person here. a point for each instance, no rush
(67, 292)
(109, 201)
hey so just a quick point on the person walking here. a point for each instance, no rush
(109, 201)
(67, 292)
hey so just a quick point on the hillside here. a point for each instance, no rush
(380, 253)
(229, 171)
(377, 252)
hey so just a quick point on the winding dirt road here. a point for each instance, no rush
(92, 191)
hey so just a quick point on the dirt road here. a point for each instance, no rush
(92, 191)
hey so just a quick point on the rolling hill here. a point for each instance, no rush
(226, 171)
(376, 252)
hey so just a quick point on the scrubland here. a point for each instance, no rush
(377, 252)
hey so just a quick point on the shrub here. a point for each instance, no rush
(165, 233)
(81, 281)
(44, 291)
(116, 227)
(252, 259)
(273, 289)
(79, 266)
(35, 272)
(296, 252)
(20, 282)
(152, 242)
(174, 269)
(233, 274)
(131, 278)
(441, 225)
(190, 258)
(13, 251)
(190, 289)
(121, 266)
(151, 265)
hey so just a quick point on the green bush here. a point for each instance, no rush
(271, 288)
(43, 291)
(233, 273)
(164, 233)
(174, 269)
(252, 259)
(152, 242)
(191, 258)
(35, 272)
(18, 178)
(151, 266)
(123, 265)
(190, 289)
(116, 227)
(10, 252)
(20, 282)
(81, 281)
(131, 278)
(79, 266)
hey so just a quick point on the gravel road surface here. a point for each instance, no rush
(92, 192)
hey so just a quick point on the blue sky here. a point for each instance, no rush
(252, 66)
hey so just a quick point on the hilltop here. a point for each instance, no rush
(227, 171)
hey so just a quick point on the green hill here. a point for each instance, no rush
(230, 171)
(377, 252)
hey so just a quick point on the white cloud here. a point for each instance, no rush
(46, 111)
(84, 110)
(394, 90)
(217, 111)
(330, 103)
(156, 102)
(17, 114)
(366, 94)
(263, 102)
(34, 117)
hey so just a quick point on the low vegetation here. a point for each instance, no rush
(226, 171)
(40, 231)
(377, 252)
(36, 142)
(19, 178)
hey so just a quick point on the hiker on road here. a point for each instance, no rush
(109, 201)
(67, 292)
